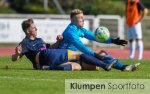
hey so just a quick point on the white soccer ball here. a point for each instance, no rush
(102, 34)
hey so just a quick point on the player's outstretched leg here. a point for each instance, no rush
(68, 66)
(109, 59)
(119, 65)
(94, 61)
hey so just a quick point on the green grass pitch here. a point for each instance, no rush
(19, 77)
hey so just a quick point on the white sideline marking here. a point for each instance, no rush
(32, 79)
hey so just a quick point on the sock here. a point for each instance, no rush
(119, 65)
(66, 67)
(132, 49)
(92, 60)
(140, 49)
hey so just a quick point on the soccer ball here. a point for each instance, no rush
(102, 34)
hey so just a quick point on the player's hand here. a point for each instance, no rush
(18, 49)
(119, 41)
(59, 38)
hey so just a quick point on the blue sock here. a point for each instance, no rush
(119, 65)
(66, 67)
(92, 60)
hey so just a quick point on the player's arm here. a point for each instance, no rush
(56, 44)
(78, 43)
(17, 53)
(59, 39)
(80, 46)
(143, 11)
(90, 35)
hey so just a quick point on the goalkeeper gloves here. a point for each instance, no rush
(119, 41)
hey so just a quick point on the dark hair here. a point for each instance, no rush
(75, 12)
(26, 24)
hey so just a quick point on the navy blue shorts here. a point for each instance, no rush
(53, 57)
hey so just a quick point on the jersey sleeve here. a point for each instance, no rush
(24, 47)
(88, 34)
(74, 39)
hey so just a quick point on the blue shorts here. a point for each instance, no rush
(53, 57)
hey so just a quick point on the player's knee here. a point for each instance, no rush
(139, 40)
(102, 53)
(76, 66)
(131, 40)
(74, 55)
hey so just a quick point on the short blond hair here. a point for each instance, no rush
(75, 12)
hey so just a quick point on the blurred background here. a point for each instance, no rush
(52, 17)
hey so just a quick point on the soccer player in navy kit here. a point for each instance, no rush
(42, 54)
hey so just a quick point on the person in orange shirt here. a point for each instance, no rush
(135, 12)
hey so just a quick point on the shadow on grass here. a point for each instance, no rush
(16, 69)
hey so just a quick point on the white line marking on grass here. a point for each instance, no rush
(32, 79)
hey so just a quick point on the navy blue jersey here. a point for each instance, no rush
(51, 57)
(31, 47)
